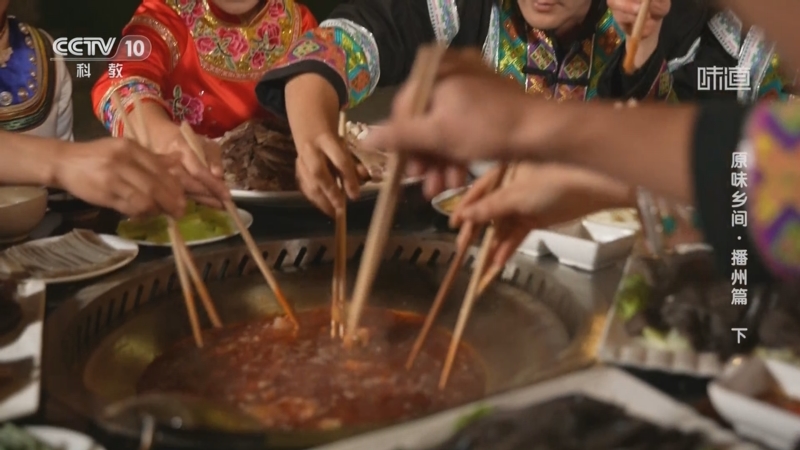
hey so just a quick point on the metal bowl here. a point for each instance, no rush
(527, 328)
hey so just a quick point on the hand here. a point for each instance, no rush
(538, 196)
(625, 12)
(474, 115)
(201, 183)
(119, 174)
(312, 106)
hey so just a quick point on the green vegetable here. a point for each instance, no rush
(633, 296)
(199, 223)
(14, 438)
(479, 413)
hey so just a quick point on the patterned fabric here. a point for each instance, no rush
(531, 60)
(444, 19)
(239, 52)
(754, 54)
(773, 169)
(492, 44)
(204, 56)
(130, 90)
(366, 42)
(335, 48)
(27, 84)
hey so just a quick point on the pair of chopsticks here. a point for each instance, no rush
(423, 75)
(339, 288)
(628, 65)
(467, 236)
(188, 274)
(183, 260)
(255, 253)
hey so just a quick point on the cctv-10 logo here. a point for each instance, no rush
(131, 48)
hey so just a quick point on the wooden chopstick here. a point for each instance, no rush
(466, 237)
(180, 264)
(255, 253)
(473, 290)
(629, 65)
(339, 291)
(423, 76)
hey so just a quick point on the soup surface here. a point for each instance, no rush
(308, 380)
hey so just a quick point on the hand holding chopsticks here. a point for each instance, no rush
(187, 270)
(629, 65)
(423, 76)
(255, 253)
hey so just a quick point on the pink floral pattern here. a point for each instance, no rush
(191, 11)
(185, 107)
(258, 60)
(205, 45)
(275, 9)
(233, 42)
(269, 33)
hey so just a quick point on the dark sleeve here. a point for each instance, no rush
(370, 43)
(718, 132)
(681, 28)
(710, 55)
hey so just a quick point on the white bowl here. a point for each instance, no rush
(735, 397)
(588, 246)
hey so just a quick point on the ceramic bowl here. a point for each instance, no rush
(21, 209)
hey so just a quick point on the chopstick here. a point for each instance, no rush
(187, 272)
(339, 290)
(466, 237)
(628, 65)
(473, 290)
(423, 76)
(255, 253)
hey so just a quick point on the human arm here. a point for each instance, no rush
(670, 34)
(144, 83)
(365, 43)
(112, 173)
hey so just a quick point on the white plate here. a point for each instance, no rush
(297, 199)
(734, 394)
(620, 348)
(247, 220)
(602, 383)
(63, 439)
(626, 218)
(588, 246)
(114, 241)
(25, 402)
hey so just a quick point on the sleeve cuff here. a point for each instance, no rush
(650, 81)
(717, 134)
(271, 92)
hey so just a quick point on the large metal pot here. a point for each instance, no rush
(526, 328)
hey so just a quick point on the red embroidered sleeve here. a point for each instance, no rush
(143, 80)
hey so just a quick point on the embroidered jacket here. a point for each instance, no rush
(370, 43)
(35, 88)
(204, 63)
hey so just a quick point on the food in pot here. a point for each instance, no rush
(569, 423)
(309, 381)
(260, 156)
(77, 252)
(199, 223)
(14, 438)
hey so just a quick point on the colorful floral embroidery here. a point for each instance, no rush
(186, 108)
(773, 185)
(240, 52)
(444, 20)
(130, 89)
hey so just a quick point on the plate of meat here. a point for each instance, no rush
(259, 162)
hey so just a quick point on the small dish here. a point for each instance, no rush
(534, 245)
(21, 209)
(588, 246)
(736, 397)
(247, 220)
(447, 202)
